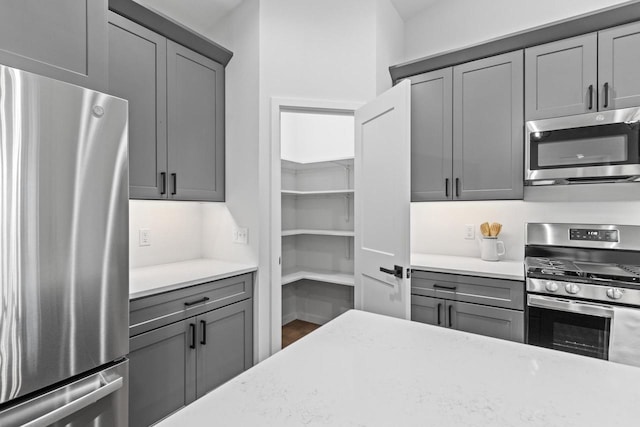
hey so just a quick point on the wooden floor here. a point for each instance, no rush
(293, 331)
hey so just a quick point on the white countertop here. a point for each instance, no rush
(363, 369)
(151, 280)
(504, 269)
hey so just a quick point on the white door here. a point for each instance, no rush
(383, 182)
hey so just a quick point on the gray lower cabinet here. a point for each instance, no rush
(174, 362)
(63, 39)
(176, 114)
(467, 130)
(588, 73)
(488, 128)
(162, 373)
(490, 307)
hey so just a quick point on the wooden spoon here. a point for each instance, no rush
(495, 229)
(484, 229)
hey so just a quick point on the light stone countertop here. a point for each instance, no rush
(145, 281)
(364, 369)
(504, 269)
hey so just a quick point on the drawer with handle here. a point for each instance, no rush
(479, 290)
(154, 311)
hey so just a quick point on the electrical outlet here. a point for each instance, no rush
(144, 237)
(469, 231)
(240, 235)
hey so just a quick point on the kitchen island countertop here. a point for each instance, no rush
(145, 281)
(363, 369)
(504, 269)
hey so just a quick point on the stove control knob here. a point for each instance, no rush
(572, 288)
(551, 286)
(614, 293)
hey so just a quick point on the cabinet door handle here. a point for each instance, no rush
(606, 95)
(446, 187)
(201, 300)
(590, 97)
(192, 330)
(438, 309)
(449, 288)
(457, 187)
(203, 324)
(163, 182)
(450, 321)
(174, 177)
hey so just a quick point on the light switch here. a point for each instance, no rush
(241, 235)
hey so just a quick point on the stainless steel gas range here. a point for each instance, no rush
(583, 289)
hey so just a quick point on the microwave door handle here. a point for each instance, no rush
(589, 309)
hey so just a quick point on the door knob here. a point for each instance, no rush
(397, 271)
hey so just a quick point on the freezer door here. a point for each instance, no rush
(97, 400)
(63, 231)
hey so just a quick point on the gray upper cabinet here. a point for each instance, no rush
(137, 72)
(62, 39)
(593, 72)
(619, 67)
(561, 78)
(431, 135)
(176, 114)
(195, 125)
(488, 128)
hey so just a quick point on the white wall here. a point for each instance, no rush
(389, 43)
(438, 227)
(452, 24)
(175, 231)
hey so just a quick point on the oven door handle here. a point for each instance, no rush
(587, 308)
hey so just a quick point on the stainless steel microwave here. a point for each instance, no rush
(594, 147)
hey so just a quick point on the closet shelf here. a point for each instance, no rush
(316, 193)
(290, 276)
(300, 231)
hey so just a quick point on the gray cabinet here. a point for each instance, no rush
(490, 307)
(619, 67)
(162, 373)
(431, 135)
(467, 130)
(195, 93)
(488, 128)
(176, 120)
(593, 72)
(561, 78)
(138, 73)
(62, 39)
(187, 342)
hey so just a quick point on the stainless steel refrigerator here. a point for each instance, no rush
(63, 254)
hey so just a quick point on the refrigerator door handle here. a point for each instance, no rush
(77, 405)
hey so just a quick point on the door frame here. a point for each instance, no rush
(274, 249)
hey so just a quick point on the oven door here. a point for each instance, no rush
(572, 326)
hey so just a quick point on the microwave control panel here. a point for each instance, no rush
(593, 235)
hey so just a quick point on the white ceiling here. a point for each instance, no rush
(408, 8)
(202, 14)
